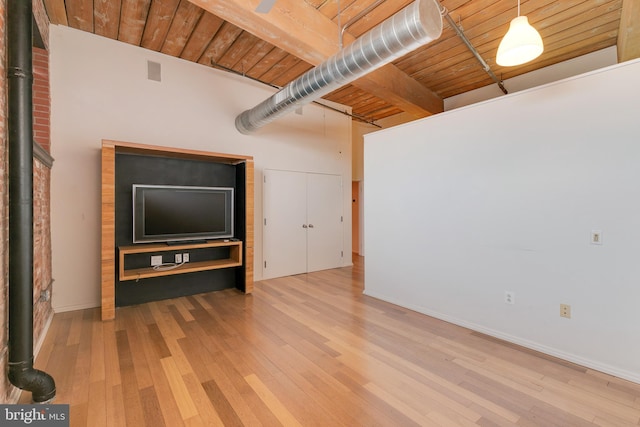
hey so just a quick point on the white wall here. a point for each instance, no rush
(503, 196)
(100, 90)
(582, 64)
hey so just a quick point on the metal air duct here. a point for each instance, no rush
(415, 25)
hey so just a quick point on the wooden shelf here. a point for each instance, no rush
(234, 259)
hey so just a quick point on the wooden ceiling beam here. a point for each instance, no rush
(57, 11)
(80, 14)
(106, 15)
(299, 29)
(629, 31)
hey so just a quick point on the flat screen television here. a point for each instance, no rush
(168, 213)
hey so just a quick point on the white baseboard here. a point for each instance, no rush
(588, 363)
(83, 306)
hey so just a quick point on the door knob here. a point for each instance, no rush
(304, 225)
(310, 225)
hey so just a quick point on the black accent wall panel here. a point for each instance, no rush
(158, 288)
(139, 169)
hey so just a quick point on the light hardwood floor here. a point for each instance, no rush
(311, 350)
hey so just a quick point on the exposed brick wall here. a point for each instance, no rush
(41, 192)
(41, 98)
(42, 279)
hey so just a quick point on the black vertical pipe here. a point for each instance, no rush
(20, 135)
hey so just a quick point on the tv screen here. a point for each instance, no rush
(166, 213)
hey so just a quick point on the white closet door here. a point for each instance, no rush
(324, 217)
(285, 212)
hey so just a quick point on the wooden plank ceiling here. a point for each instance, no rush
(295, 35)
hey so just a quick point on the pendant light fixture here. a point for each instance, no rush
(521, 44)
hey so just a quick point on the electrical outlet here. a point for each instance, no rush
(178, 258)
(596, 237)
(565, 311)
(509, 297)
(156, 260)
(185, 257)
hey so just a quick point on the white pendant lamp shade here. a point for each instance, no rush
(521, 44)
